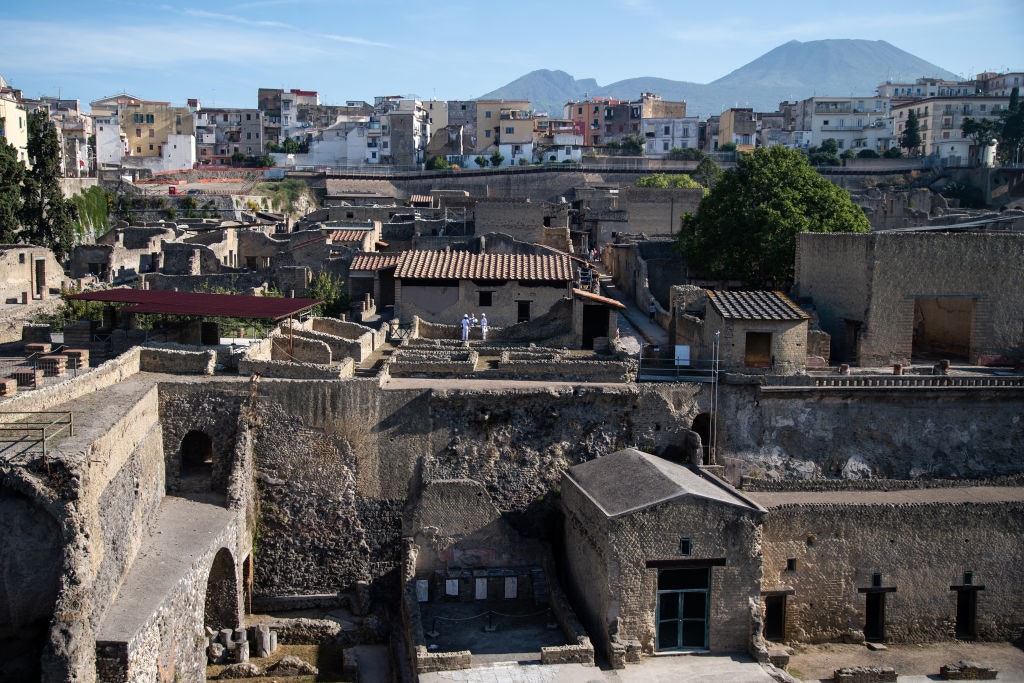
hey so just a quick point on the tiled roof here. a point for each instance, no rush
(584, 294)
(755, 306)
(630, 480)
(348, 235)
(462, 265)
(374, 261)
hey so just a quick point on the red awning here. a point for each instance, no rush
(208, 305)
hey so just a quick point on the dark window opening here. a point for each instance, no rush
(684, 547)
(791, 564)
(486, 298)
(522, 311)
(876, 580)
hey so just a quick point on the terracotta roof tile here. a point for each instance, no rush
(462, 265)
(755, 306)
(348, 235)
(374, 261)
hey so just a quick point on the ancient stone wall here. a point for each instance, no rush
(876, 278)
(586, 562)
(918, 433)
(920, 549)
(177, 361)
(715, 531)
(656, 211)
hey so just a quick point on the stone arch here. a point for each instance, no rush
(702, 425)
(195, 456)
(30, 571)
(222, 593)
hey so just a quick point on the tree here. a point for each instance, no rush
(745, 228)
(910, 138)
(47, 216)
(707, 172)
(868, 153)
(893, 153)
(663, 181)
(237, 158)
(980, 131)
(331, 290)
(12, 173)
(727, 147)
(497, 159)
(482, 161)
(438, 164)
(686, 154)
(633, 145)
(1011, 134)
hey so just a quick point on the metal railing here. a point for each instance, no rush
(656, 369)
(34, 429)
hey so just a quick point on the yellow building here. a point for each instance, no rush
(503, 122)
(147, 125)
(13, 121)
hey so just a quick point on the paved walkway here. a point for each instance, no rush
(683, 669)
(183, 531)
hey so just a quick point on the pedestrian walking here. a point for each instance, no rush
(465, 326)
(483, 326)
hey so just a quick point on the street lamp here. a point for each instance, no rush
(715, 353)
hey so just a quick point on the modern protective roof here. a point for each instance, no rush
(630, 480)
(463, 265)
(209, 305)
(755, 306)
(374, 261)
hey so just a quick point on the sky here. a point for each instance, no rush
(221, 52)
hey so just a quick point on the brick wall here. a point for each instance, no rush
(920, 549)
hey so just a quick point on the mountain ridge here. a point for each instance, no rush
(792, 71)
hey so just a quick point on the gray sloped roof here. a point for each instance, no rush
(630, 480)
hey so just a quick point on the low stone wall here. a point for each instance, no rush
(177, 361)
(865, 674)
(420, 361)
(967, 671)
(427, 662)
(340, 348)
(580, 650)
(247, 283)
(113, 371)
(296, 370)
(567, 370)
(360, 340)
(295, 348)
(779, 485)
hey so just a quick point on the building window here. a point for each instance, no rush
(151, 148)
(248, 136)
(876, 580)
(791, 564)
(664, 147)
(248, 117)
(684, 547)
(486, 298)
(152, 133)
(668, 130)
(487, 114)
(149, 118)
(579, 111)
(138, 150)
(384, 145)
(509, 130)
(138, 132)
(487, 133)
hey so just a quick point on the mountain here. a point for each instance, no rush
(792, 71)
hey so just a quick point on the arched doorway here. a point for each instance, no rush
(196, 456)
(222, 593)
(702, 425)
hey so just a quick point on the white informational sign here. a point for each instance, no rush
(422, 590)
(481, 589)
(511, 587)
(683, 355)
(451, 587)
